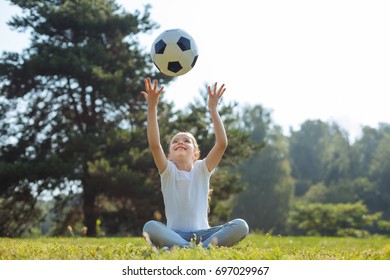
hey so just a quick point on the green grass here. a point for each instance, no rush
(254, 247)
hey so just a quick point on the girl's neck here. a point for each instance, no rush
(183, 165)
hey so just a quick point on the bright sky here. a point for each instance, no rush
(303, 59)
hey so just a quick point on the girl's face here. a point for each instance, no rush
(183, 145)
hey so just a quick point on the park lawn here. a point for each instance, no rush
(254, 247)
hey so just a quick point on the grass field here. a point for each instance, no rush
(254, 247)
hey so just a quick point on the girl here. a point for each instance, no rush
(185, 181)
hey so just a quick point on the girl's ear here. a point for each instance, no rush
(196, 155)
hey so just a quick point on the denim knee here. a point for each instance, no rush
(151, 226)
(241, 226)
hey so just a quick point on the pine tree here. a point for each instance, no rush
(72, 118)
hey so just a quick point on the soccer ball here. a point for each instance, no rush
(174, 52)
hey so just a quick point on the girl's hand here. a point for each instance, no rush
(215, 95)
(151, 92)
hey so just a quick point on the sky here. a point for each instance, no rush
(301, 59)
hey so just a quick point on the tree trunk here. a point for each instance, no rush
(89, 197)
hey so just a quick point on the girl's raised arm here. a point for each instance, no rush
(215, 155)
(151, 95)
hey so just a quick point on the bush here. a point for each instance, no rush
(384, 227)
(318, 219)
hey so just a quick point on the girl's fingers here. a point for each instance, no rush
(155, 85)
(147, 84)
(221, 90)
(218, 92)
(151, 87)
(144, 94)
(161, 89)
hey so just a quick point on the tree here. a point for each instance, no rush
(71, 103)
(352, 173)
(370, 160)
(319, 152)
(337, 157)
(307, 149)
(380, 174)
(363, 150)
(266, 201)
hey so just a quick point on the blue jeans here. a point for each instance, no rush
(227, 235)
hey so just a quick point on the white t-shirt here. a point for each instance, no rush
(186, 196)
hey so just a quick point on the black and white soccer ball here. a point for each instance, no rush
(174, 52)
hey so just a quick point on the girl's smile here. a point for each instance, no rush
(183, 148)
